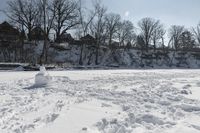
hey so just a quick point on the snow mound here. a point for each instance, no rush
(42, 78)
(149, 118)
(189, 108)
(111, 126)
(20, 68)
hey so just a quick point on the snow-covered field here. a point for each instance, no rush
(101, 101)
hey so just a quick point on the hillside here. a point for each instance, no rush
(128, 58)
(68, 56)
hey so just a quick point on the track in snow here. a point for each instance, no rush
(115, 101)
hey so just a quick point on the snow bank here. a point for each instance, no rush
(20, 68)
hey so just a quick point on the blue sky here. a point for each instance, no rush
(170, 12)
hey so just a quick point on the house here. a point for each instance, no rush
(88, 40)
(8, 34)
(37, 34)
(66, 38)
(114, 45)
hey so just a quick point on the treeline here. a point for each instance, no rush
(57, 17)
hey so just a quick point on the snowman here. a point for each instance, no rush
(43, 77)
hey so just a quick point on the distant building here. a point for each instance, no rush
(8, 34)
(37, 34)
(66, 38)
(88, 40)
(115, 44)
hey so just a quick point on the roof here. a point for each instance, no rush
(37, 29)
(37, 33)
(66, 37)
(6, 28)
(87, 38)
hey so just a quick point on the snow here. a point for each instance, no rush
(20, 68)
(101, 101)
(42, 78)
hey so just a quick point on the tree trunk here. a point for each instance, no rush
(154, 45)
(81, 55)
(147, 44)
(110, 39)
(97, 54)
(29, 34)
(163, 44)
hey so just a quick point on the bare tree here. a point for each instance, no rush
(196, 32)
(47, 15)
(97, 27)
(83, 27)
(86, 18)
(175, 33)
(158, 36)
(187, 40)
(125, 32)
(23, 12)
(147, 27)
(140, 42)
(66, 16)
(131, 39)
(112, 25)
